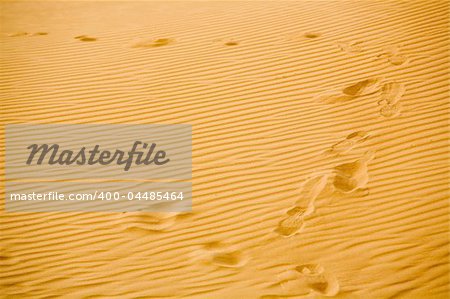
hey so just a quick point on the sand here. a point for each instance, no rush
(320, 147)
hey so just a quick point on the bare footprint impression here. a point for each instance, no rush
(231, 43)
(393, 55)
(353, 176)
(360, 88)
(294, 221)
(142, 223)
(152, 43)
(391, 94)
(220, 254)
(21, 33)
(350, 47)
(344, 178)
(312, 34)
(309, 278)
(85, 38)
(348, 143)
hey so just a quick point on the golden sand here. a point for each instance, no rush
(320, 147)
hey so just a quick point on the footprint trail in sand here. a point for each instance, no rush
(305, 280)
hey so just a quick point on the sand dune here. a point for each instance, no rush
(320, 147)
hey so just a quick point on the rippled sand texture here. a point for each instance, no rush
(320, 147)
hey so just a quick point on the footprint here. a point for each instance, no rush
(312, 34)
(17, 34)
(391, 94)
(398, 59)
(354, 175)
(393, 55)
(348, 143)
(294, 221)
(21, 33)
(85, 38)
(319, 280)
(351, 47)
(361, 88)
(305, 279)
(144, 223)
(39, 33)
(220, 254)
(346, 178)
(391, 110)
(231, 43)
(154, 43)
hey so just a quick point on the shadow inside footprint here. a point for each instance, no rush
(153, 43)
(85, 38)
(312, 34)
(231, 43)
(17, 34)
(363, 87)
(227, 259)
(39, 33)
(21, 33)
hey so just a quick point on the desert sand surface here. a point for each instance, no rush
(320, 147)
